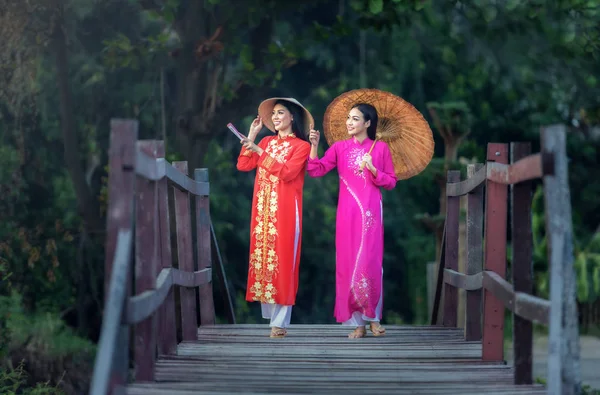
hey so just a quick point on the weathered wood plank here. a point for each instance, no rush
(438, 351)
(111, 324)
(469, 185)
(321, 359)
(522, 263)
(143, 305)
(155, 169)
(564, 376)
(527, 306)
(121, 187)
(495, 256)
(334, 388)
(474, 255)
(167, 317)
(463, 281)
(450, 318)
(146, 264)
(299, 339)
(169, 365)
(348, 377)
(525, 168)
(204, 247)
(329, 327)
(185, 256)
(532, 308)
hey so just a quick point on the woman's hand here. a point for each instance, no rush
(255, 128)
(250, 146)
(314, 137)
(368, 160)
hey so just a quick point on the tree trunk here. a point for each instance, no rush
(88, 207)
(200, 112)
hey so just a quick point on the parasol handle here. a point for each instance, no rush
(363, 163)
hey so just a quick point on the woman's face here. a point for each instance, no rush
(355, 124)
(281, 117)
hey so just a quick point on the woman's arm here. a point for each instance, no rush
(248, 160)
(319, 167)
(286, 171)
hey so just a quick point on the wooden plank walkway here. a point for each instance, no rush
(320, 359)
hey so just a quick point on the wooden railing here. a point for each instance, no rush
(487, 291)
(139, 222)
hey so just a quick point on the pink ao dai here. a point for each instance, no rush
(359, 225)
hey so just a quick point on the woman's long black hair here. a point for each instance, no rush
(298, 116)
(369, 114)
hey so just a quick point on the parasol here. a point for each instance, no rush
(400, 125)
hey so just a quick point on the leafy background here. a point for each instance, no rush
(482, 71)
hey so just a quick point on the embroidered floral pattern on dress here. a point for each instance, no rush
(264, 262)
(279, 149)
(363, 291)
(355, 157)
(369, 221)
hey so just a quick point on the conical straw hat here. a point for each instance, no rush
(265, 109)
(400, 125)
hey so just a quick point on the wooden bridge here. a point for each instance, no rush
(159, 334)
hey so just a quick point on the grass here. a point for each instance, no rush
(40, 354)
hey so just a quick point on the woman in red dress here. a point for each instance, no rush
(276, 223)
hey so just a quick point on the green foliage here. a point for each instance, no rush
(586, 257)
(13, 381)
(44, 332)
(51, 357)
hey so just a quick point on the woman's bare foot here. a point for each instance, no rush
(358, 333)
(377, 329)
(278, 332)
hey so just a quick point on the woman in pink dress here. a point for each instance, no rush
(359, 219)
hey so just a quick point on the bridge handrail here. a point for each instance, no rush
(522, 304)
(155, 169)
(143, 305)
(138, 220)
(487, 275)
(112, 315)
(529, 168)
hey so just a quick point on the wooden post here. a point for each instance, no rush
(522, 266)
(564, 375)
(146, 264)
(185, 257)
(462, 264)
(452, 232)
(205, 292)
(121, 180)
(495, 257)
(167, 327)
(431, 266)
(121, 187)
(474, 255)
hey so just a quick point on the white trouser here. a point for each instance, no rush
(359, 319)
(280, 315)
